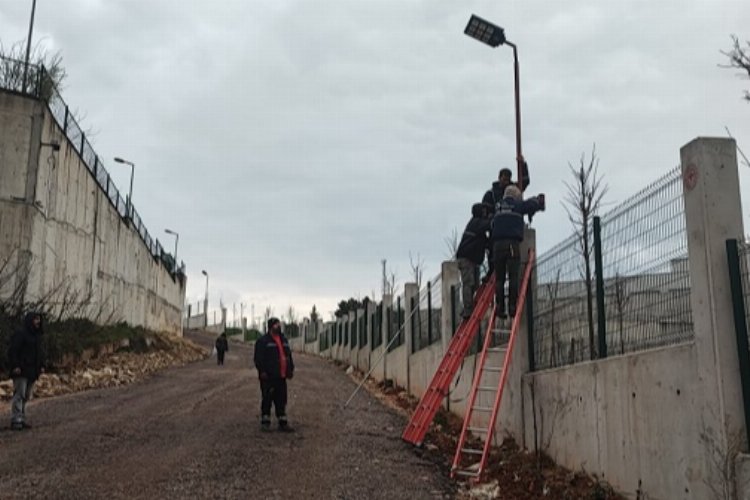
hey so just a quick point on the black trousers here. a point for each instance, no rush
(506, 254)
(220, 357)
(273, 391)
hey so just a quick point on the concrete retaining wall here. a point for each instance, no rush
(62, 235)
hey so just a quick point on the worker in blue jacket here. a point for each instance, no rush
(507, 235)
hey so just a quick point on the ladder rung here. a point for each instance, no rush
(496, 349)
(481, 408)
(472, 451)
(476, 429)
(466, 473)
(501, 330)
(487, 388)
(493, 368)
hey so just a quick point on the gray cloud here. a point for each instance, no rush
(294, 144)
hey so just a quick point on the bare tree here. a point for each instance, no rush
(739, 58)
(582, 203)
(12, 66)
(417, 268)
(451, 242)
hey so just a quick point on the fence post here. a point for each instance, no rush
(530, 325)
(83, 140)
(429, 313)
(740, 325)
(65, 122)
(600, 312)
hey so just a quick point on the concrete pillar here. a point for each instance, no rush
(411, 291)
(510, 419)
(370, 311)
(385, 318)
(450, 278)
(713, 215)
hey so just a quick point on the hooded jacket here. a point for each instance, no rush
(474, 241)
(26, 350)
(267, 359)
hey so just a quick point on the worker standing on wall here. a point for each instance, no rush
(471, 252)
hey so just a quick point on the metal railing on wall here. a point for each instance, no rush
(639, 293)
(40, 85)
(426, 322)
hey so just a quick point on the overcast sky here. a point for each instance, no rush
(294, 144)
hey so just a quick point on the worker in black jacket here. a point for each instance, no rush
(494, 195)
(222, 346)
(471, 252)
(26, 361)
(273, 360)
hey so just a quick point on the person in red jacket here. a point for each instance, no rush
(273, 360)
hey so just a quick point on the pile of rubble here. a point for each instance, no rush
(114, 369)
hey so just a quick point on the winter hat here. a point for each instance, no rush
(272, 321)
(512, 191)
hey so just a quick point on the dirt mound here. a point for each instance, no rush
(114, 367)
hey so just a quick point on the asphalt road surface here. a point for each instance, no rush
(193, 432)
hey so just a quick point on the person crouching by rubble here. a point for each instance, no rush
(507, 235)
(273, 360)
(26, 361)
(471, 251)
(222, 346)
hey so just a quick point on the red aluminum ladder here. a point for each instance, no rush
(430, 403)
(475, 470)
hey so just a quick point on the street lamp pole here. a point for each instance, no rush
(130, 193)
(494, 36)
(205, 300)
(176, 240)
(28, 46)
(519, 153)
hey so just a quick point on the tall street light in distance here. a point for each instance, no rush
(28, 46)
(494, 36)
(130, 194)
(205, 300)
(176, 240)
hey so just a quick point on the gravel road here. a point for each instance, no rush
(193, 432)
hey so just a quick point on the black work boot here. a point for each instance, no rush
(265, 423)
(284, 426)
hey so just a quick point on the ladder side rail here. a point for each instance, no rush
(446, 370)
(474, 390)
(506, 362)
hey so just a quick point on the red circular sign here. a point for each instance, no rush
(690, 177)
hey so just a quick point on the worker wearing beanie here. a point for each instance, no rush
(273, 360)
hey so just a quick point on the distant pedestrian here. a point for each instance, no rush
(26, 361)
(471, 253)
(273, 360)
(507, 235)
(221, 346)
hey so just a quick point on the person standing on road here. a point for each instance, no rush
(222, 346)
(471, 252)
(26, 362)
(273, 360)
